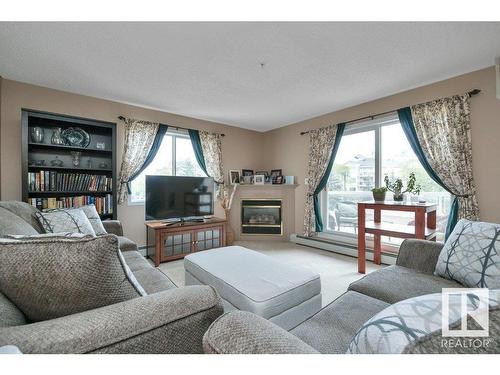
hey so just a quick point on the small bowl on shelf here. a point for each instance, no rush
(39, 163)
(56, 162)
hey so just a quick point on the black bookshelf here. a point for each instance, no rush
(97, 164)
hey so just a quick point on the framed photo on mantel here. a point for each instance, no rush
(234, 177)
(275, 173)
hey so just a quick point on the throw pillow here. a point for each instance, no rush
(65, 220)
(10, 223)
(405, 325)
(94, 219)
(471, 255)
(50, 278)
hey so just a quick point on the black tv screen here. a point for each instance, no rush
(175, 197)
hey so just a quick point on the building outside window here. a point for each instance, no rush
(368, 152)
(174, 158)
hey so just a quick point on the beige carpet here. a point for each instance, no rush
(336, 271)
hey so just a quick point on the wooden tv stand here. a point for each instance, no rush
(166, 242)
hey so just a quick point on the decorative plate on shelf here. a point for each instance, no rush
(75, 137)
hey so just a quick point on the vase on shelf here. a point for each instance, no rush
(37, 134)
(229, 230)
(76, 157)
(56, 138)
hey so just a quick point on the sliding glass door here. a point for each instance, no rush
(368, 152)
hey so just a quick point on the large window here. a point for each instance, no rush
(367, 153)
(174, 158)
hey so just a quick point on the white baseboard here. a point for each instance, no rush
(339, 248)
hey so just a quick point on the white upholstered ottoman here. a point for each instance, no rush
(251, 281)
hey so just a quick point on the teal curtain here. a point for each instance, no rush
(324, 180)
(162, 130)
(406, 121)
(194, 135)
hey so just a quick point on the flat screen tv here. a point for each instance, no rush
(179, 198)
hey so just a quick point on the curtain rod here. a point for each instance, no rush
(371, 117)
(170, 126)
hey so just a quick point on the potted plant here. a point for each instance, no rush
(396, 187)
(379, 194)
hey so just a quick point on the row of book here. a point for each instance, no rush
(57, 181)
(103, 205)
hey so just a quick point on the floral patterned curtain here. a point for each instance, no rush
(321, 142)
(443, 131)
(212, 153)
(139, 137)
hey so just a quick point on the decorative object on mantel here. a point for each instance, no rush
(259, 179)
(289, 180)
(397, 187)
(379, 194)
(56, 138)
(234, 177)
(37, 134)
(227, 195)
(247, 176)
(275, 173)
(76, 137)
(267, 176)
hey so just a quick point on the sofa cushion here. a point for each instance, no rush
(331, 329)
(25, 211)
(126, 244)
(65, 220)
(393, 329)
(10, 223)
(471, 255)
(10, 315)
(50, 278)
(135, 261)
(150, 278)
(395, 283)
(91, 213)
(153, 280)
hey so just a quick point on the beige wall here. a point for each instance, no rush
(281, 148)
(288, 150)
(240, 146)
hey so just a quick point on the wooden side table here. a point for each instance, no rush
(423, 229)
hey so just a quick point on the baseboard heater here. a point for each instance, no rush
(339, 248)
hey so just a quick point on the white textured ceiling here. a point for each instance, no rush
(213, 71)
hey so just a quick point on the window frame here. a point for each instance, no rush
(174, 133)
(375, 124)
